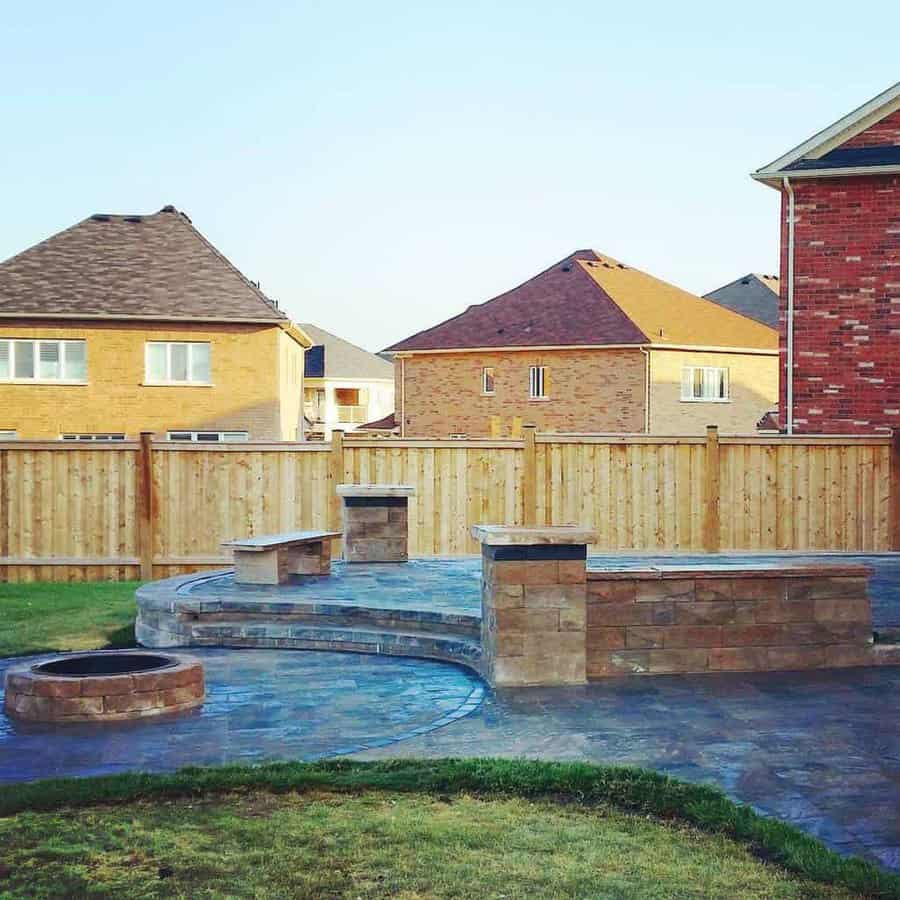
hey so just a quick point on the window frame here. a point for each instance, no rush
(36, 345)
(484, 379)
(537, 383)
(688, 374)
(9, 434)
(81, 437)
(168, 381)
(193, 437)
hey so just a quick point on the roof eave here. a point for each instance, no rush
(107, 317)
(773, 177)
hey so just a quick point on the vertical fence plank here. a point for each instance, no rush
(146, 511)
(711, 526)
(895, 492)
(529, 476)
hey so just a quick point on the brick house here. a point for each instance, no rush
(840, 274)
(588, 345)
(123, 324)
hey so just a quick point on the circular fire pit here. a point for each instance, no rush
(107, 685)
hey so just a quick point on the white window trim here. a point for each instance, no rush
(9, 434)
(484, 391)
(536, 377)
(244, 436)
(692, 399)
(168, 345)
(12, 379)
(84, 437)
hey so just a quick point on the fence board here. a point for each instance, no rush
(72, 513)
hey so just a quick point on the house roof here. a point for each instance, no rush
(751, 295)
(343, 359)
(386, 423)
(589, 299)
(157, 266)
(823, 154)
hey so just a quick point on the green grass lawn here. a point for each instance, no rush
(47, 616)
(376, 844)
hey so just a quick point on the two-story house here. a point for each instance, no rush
(588, 345)
(123, 324)
(840, 274)
(344, 386)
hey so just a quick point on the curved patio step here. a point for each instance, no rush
(311, 636)
(339, 615)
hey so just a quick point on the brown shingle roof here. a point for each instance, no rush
(156, 266)
(559, 306)
(588, 299)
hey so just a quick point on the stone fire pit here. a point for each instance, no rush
(106, 685)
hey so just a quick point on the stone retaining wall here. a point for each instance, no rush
(693, 619)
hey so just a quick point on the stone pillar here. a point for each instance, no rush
(375, 522)
(533, 602)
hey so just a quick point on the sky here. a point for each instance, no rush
(378, 167)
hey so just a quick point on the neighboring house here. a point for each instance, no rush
(386, 426)
(753, 295)
(588, 345)
(345, 386)
(840, 273)
(124, 324)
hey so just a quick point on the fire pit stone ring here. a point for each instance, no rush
(106, 685)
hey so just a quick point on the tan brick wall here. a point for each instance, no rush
(588, 390)
(244, 395)
(290, 394)
(753, 383)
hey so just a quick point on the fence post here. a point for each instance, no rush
(711, 527)
(335, 477)
(146, 505)
(895, 490)
(529, 476)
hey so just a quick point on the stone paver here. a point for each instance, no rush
(818, 749)
(260, 704)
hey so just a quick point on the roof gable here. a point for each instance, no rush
(809, 158)
(560, 306)
(333, 357)
(157, 266)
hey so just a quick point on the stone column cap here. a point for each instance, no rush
(515, 535)
(375, 490)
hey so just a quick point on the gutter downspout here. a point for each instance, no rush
(646, 353)
(789, 386)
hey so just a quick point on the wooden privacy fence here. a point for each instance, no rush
(153, 508)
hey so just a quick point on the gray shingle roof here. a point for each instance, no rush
(155, 266)
(346, 360)
(753, 295)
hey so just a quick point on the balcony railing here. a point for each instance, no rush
(354, 415)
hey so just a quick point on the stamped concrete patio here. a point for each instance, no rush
(819, 749)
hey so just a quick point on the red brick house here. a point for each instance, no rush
(588, 345)
(839, 318)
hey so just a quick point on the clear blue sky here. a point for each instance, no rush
(380, 166)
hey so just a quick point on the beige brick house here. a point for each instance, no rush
(124, 324)
(588, 345)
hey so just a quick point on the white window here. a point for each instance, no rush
(43, 361)
(108, 436)
(8, 435)
(536, 382)
(208, 436)
(704, 383)
(170, 362)
(487, 381)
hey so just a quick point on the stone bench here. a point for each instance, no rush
(273, 558)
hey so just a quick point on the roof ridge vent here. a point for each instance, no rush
(135, 219)
(100, 217)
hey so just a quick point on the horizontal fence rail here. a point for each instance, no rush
(149, 509)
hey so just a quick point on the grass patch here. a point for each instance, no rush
(35, 618)
(529, 812)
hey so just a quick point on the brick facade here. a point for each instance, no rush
(588, 390)
(846, 302)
